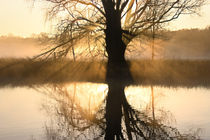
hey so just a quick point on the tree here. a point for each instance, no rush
(110, 24)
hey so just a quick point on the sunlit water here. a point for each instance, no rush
(25, 112)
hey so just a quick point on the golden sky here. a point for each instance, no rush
(20, 17)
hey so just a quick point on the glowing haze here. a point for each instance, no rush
(22, 18)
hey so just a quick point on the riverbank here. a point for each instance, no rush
(174, 73)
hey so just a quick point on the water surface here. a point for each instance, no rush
(28, 113)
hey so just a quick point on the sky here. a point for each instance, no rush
(22, 18)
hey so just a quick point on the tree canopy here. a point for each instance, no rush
(88, 19)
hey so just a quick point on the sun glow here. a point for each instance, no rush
(88, 95)
(23, 18)
(139, 98)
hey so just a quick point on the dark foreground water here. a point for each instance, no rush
(39, 113)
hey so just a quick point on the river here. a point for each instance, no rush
(32, 113)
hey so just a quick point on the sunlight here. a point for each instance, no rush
(88, 95)
(138, 97)
(104, 69)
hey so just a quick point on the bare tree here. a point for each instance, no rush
(110, 25)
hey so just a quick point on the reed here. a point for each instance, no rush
(25, 72)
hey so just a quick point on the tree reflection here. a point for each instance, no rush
(69, 118)
(113, 118)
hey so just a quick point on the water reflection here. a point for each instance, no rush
(77, 112)
(87, 111)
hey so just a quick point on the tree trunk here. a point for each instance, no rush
(117, 76)
(117, 67)
(114, 44)
(114, 111)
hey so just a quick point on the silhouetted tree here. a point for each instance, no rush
(110, 24)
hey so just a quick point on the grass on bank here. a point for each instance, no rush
(20, 72)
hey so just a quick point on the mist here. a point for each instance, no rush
(183, 44)
(187, 44)
(18, 47)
